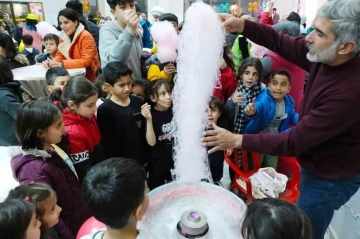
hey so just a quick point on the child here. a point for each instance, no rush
(101, 22)
(44, 197)
(159, 129)
(121, 39)
(272, 111)
(78, 101)
(56, 78)
(29, 51)
(138, 88)
(155, 69)
(120, 116)
(51, 42)
(249, 86)
(18, 220)
(279, 220)
(39, 127)
(104, 91)
(115, 193)
(216, 160)
(18, 32)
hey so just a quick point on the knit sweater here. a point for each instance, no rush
(326, 140)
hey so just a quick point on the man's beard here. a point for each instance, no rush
(326, 56)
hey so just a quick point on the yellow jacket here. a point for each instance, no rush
(155, 73)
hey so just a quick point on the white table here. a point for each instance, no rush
(33, 80)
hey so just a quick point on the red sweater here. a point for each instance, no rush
(326, 141)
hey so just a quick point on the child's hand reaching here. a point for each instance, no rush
(237, 97)
(145, 111)
(250, 108)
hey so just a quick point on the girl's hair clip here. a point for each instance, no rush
(27, 198)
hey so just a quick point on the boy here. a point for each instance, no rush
(272, 111)
(115, 193)
(121, 39)
(216, 160)
(18, 34)
(119, 118)
(51, 42)
(56, 77)
(29, 51)
(155, 69)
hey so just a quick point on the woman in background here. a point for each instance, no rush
(77, 48)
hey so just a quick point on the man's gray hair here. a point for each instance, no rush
(345, 15)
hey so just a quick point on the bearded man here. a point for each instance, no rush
(326, 140)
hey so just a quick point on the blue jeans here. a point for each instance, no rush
(320, 197)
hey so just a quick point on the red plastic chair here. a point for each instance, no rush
(241, 181)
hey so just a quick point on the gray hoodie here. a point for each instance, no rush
(116, 44)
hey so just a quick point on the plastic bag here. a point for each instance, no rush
(269, 182)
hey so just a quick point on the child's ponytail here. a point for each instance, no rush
(77, 90)
(55, 97)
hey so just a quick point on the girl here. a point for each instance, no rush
(272, 218)
(77, 48)
(78, 101)
(18, 220)
(39, 127)
(158, 114)
(10, 100)
(44, 197)
(249, 87)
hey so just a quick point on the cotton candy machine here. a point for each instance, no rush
(179, 210)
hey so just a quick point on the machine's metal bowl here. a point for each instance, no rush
(223, 209)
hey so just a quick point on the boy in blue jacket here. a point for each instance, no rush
(272, 111)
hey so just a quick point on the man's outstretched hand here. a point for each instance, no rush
(220, 139)
(231, 23)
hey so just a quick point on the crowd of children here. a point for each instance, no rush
(65, 138)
